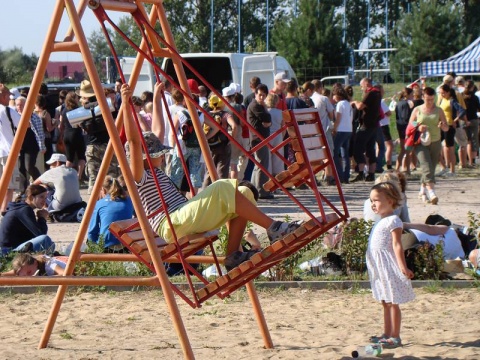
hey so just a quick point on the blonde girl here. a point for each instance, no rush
(387, 269)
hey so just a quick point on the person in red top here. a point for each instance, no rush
(281, 81)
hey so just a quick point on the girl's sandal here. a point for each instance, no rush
(391, 343)
(377, 339)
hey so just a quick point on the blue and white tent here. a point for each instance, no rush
(465, 62)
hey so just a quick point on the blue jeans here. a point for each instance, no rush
(42, 243)
(341, 145)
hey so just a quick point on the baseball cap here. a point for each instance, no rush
(447, 78)
(282, 76)
(57, 157)
(14, 94)
(193, 85)
(228, 91)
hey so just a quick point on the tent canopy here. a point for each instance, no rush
(466, 61)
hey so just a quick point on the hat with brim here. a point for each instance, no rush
(86, 89)
(228, 91)
(155, 147)
(56, 157)
(282, 76)
(409, 240)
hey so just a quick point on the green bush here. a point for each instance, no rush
(108, 268)
(354, 245)
(427, 261)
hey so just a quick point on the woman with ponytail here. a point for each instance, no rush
(115, 205)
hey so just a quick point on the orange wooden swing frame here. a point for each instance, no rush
(160, 279)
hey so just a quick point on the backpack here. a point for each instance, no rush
(219, 137)
(72, 213)
(187, 131)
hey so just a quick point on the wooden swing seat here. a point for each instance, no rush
(303, 127)
(132, 237)
(130, 234)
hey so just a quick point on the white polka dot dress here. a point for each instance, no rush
(386, 279)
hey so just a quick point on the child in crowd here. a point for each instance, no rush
(387, 269)
(221, 202)
(33, 265)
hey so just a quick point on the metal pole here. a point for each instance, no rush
(211, 26)
(239, 6)
(368, 32)
(386, 33)
(344, 21)
(268, 25)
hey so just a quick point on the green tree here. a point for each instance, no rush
(428, 33)
(191, 24)
(17, 67)
(313, 38)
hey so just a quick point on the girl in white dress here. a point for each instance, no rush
(387, 269)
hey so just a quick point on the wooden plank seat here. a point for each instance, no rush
(130, 234)
(308, 133)
(268, 257)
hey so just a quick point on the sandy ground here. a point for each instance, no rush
(305, 324)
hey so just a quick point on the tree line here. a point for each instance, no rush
(308, 33)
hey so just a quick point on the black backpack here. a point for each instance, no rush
(187, 131)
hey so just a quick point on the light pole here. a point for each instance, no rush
(268, 25)
(211, 26)
(344, 21)
(386, 33)
(239, 26)
(368, 33)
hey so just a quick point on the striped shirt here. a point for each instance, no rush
(151, 199)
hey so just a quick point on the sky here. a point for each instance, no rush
(27, 29)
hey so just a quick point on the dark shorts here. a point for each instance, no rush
(449, 137)
(386, 133)
(402, 129)
(74, 144)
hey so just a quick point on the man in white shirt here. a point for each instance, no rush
(65, 182)
(325, 110)
(9, 120)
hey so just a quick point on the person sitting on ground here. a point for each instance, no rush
(452, 246)
(64, 184)
(33, 265)
(23, 230)
(115, 205)
(221, 202)
(402, 211)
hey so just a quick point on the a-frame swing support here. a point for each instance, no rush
(75, 41)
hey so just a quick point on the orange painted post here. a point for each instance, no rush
(208, 159)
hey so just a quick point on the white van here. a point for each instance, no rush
(219, 69)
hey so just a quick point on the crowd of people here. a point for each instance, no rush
(357, 132)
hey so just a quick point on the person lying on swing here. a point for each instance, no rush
(224, 201)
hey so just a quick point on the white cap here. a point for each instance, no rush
(282, 76)
(57, 157)
(236, 87)
(228, 91)
(14, 94)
